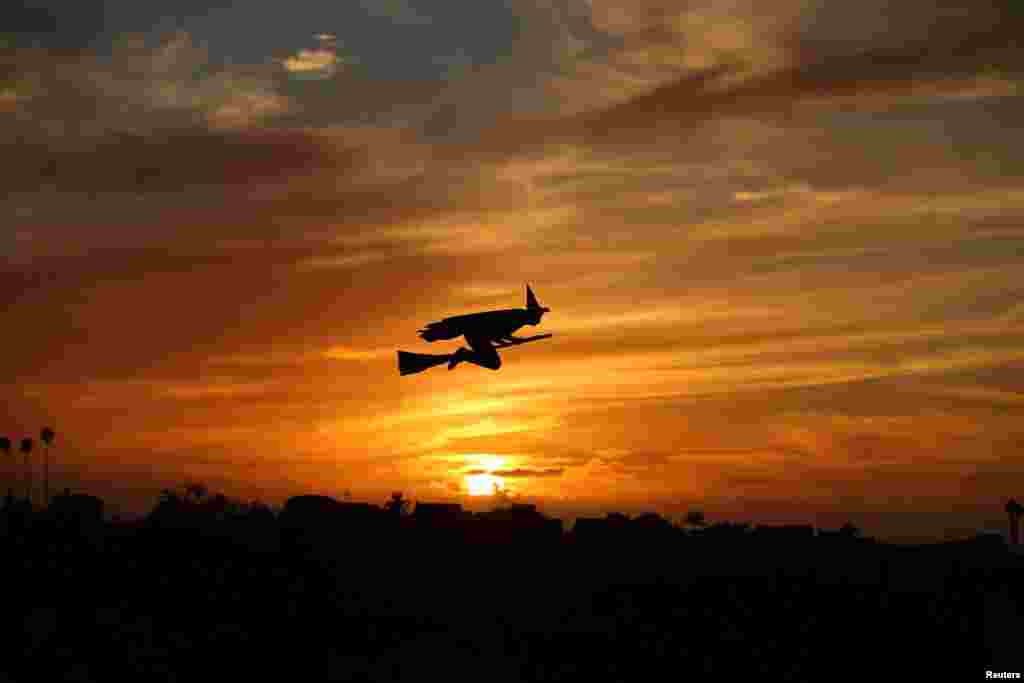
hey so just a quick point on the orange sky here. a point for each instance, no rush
(782, 253)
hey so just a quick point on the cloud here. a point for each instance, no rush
(155, 117)
(659, 70)
(398, 11)
(521, 472)
(342, 353)
(214, 387)
(170, 161)
(775, 193)
(955, 46)
(320, 62)
(312, 60)
(141, 88)
(652, 43)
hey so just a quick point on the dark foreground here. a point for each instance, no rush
(259, 600)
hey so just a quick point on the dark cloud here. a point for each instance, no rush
(829, 28)
(430, 34)
(529, 473)
(686, 102)
(51, 23)
(940, 47)
(150, 118)
(175, 161)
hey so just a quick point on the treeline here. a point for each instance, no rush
(208, 586)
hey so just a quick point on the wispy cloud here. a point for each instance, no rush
(342, 353)
(143, 87)
(521, 472)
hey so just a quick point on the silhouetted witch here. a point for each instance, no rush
(484, 332)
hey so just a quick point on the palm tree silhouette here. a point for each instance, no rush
(46, 436)
(1013, 511)
(5, 446)
(26, 448)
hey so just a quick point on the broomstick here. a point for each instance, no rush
(411, 363)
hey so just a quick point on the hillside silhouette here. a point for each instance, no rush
(207, 586)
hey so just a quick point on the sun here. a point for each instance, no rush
(483, 484)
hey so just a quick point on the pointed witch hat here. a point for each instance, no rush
(531, 302)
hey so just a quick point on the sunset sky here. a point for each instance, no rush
(782, 244)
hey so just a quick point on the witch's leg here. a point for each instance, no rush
(461, 354)
(486, 359)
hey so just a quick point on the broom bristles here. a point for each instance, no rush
(410, 363)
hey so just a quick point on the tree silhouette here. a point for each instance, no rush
(195, 493)
(695, 518)
(849, 530)
(26, 449)
(500, 496)
(1013, 511)
(46, 436)
(168, 497)
(221, 507)
(398, 506)
(5, 446)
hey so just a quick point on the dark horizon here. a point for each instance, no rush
(407, 588)
(913, 527)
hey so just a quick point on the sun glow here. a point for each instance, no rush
(483, 484)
